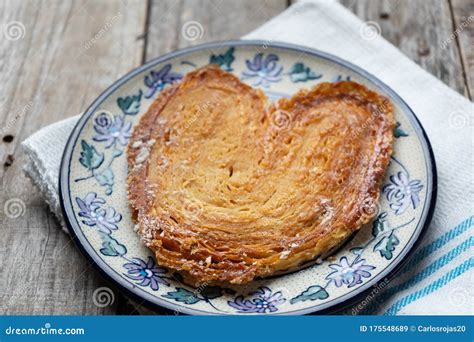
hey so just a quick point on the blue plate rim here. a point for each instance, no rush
(153, 301)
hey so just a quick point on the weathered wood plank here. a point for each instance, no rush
(420, 29)
(463, 14)
(66, 53)
(181, 23)
(174, 24)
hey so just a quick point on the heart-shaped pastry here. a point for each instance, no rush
(225, 187)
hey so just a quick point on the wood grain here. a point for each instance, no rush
(59, 65)
(182, 23)
(463, 14)
(419, 28)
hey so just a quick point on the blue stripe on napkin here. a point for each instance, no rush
(437, 284)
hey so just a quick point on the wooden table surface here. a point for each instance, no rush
(67, 52)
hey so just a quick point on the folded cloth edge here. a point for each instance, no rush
(46, 180)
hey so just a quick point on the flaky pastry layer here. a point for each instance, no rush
(225, 187)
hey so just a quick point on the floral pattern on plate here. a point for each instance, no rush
(261, 301)
(101, 217)
(402, 192)
(263, 70)
(146, 273)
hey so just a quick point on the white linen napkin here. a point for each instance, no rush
(438, 277)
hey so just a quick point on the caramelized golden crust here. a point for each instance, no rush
(225, 188)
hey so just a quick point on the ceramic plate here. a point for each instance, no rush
(94, 170)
